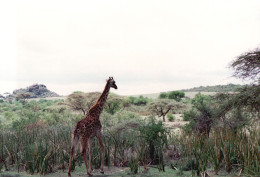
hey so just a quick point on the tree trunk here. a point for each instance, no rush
(84, 112)
(115, 156)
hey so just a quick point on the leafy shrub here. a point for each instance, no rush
(163, 95)
(141, 100)
(176, 95)
(155, 136)
(113, 104)
(189, 115)
(133, 164)
(171, 117)
(202, 114)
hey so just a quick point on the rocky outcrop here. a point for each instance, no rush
(36, 91)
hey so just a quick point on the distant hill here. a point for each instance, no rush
(35, 91)
(216, 88)
(206, 90)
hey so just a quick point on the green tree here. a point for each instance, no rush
(141, 100)
(171, 117)
(202, 114)
(113, 104)
(237, 109)
(154, 134)
(163, 95)
(176, 95)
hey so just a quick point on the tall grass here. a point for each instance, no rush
(238, 151)
(46, 150)
(35, 150)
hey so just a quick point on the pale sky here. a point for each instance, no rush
(147, 46)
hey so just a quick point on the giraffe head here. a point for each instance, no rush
(112, 83)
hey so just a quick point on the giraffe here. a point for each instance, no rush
(90, 127)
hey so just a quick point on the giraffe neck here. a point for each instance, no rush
(96, 110)
(103, 97)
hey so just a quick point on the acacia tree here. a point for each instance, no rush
(80, 101)
(114, 103)
(91, 99)
(247, 66)
(162, 107)
(23, 97)
(176, 95)
(237, 109)
(204, 115)
(234, 110)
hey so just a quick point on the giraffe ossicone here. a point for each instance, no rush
(90, 127)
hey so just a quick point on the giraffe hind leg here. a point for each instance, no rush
(74, 143)
(84, 155)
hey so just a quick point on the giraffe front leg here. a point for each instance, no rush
(103, 153)
(90, 150)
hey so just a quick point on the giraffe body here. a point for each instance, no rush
(90, 127)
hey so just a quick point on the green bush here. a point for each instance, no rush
(141, 100)
(176, 95)
(163, 95)
(189, 115)
(171, 117)
(133, 164)
(154, 134)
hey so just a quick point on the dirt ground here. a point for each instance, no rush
(79, 172)
(121, 172)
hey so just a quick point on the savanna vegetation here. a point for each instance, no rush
(215, 88)
(221, 135)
